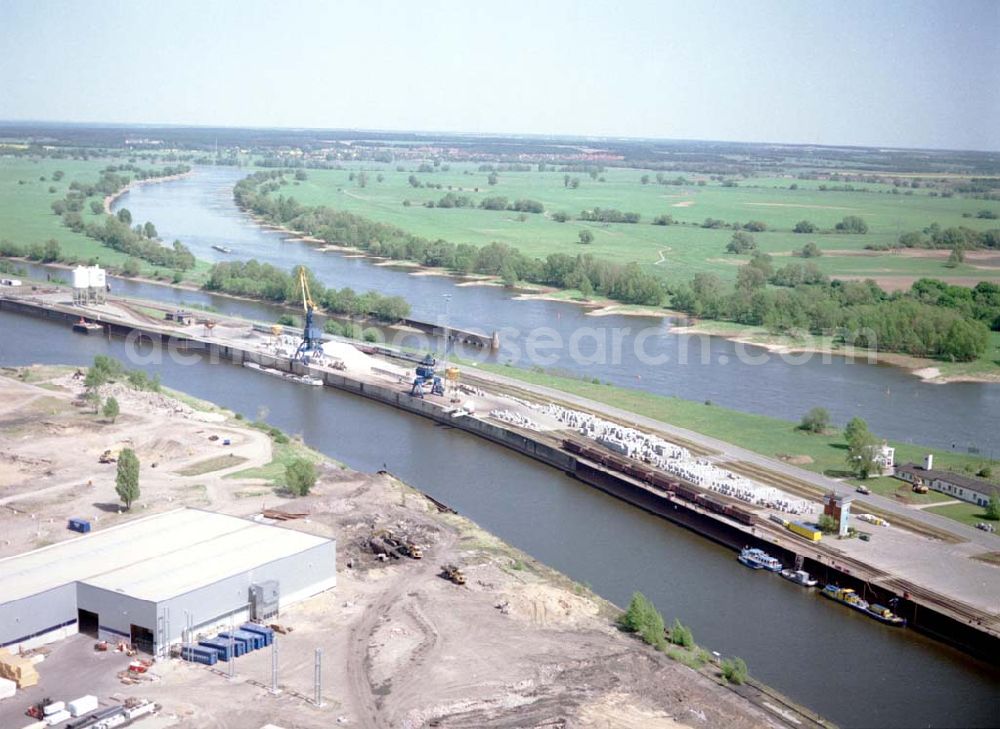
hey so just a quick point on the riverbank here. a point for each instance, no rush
(110, 199)
(984, 369)
(550, 644)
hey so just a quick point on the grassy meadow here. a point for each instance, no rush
(26, 215)
(678, 251)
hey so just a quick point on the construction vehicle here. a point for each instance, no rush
(382, 548)
(312, 338)
(452, 573)
(384, 542)
(919, 487)
(107, 457)
(427, 376)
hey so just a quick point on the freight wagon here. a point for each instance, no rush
(661, 481)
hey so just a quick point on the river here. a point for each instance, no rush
(849, 668)
(199, 210)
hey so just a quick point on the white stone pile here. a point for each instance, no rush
(668, 457)
(514, 418)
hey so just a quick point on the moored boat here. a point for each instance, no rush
(799, 577)
(885, 615)
(849, 597)
(290, 376)
(222, 249)
(758, 559)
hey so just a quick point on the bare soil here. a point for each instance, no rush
(519, 645)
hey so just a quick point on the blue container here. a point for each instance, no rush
(197, 654)
(79, 525)
(220, 647)
(254, 640)
(242, 644)
(263, 630)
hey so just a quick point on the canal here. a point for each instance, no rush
(849, 668)
(199, 210)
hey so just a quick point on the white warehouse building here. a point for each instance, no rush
(149, 580)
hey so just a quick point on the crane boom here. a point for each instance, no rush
(312, 338)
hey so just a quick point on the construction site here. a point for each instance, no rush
(427, 619)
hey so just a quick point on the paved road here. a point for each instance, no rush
(890, 506)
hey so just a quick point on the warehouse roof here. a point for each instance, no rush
(155, 557)
(956, 479)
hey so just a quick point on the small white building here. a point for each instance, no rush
(974, 490)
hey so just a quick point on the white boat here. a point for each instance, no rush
(758, 559)
(291, 377)
(223, 249)
(799, 577)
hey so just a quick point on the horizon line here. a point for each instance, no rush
(537, 135)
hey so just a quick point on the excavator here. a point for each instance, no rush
(312, 338)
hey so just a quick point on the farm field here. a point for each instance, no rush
(677, 251)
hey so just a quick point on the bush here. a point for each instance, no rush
(741, 243)
(851, 224)
(816, 420)
(734, 670)
(643, 618)
(811, 250)
(804, 226)
(300, 476)
(681, 635)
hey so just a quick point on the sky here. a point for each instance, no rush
(838, 72)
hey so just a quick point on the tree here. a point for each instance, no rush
(816, 420)
(856, 427)
(50, 251)
(741, 242)
(586, 288)
(643, 618)
(644, 179)
(852, 224)
(111, 409)
(131, 267)
(993, 508)
(149, 230)
(811, 250)
(827, 524)
(96, 207)
(127, 478)
(125, 216)
(493, 178)
(734, 670)
(956, 257)
(862, 454)
(300, 476)
(586, 236)
(300, 175)
(804, 226)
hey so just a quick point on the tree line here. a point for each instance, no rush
(927, 321)
(263, 281)
(627, 283)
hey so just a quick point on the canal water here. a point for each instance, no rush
(849, 668)
(199, 210)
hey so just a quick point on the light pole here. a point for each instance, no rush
(447, 315)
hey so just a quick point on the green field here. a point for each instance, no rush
(677, 251)
(27, 217)
(967, 513)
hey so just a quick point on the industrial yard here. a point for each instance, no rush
(402, 646)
